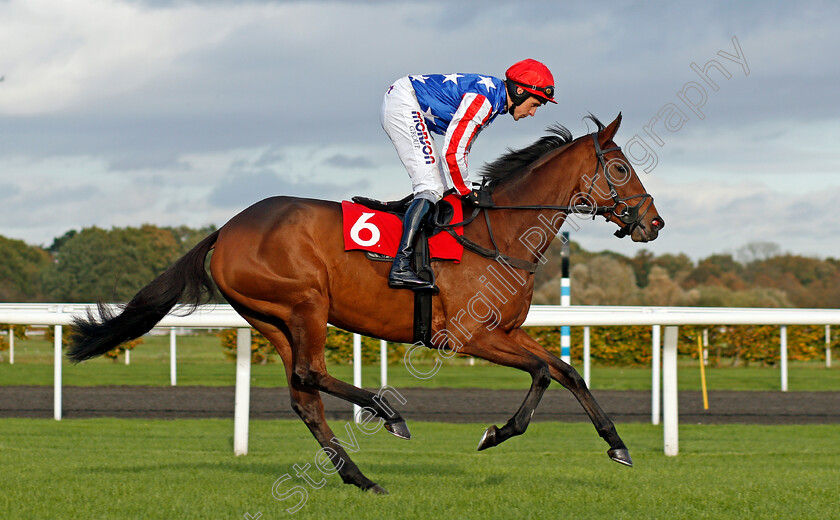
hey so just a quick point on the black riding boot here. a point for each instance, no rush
(402, 276)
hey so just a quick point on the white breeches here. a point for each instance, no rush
(404, 123)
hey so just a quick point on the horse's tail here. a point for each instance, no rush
(186, 280)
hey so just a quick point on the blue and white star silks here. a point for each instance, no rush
(487, 82)
(440, 95)
(452, 77)
(458, 107)
(429, 116)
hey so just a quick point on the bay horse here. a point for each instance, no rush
(281, 264)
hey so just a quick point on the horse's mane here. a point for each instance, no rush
(515, 161)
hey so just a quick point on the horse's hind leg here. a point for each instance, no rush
(567, 376)
(308, 330)
(499, 349)
(306, 402)
(309, 407)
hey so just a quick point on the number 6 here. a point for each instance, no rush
(361, 224)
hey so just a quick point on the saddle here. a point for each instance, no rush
(394, 206)
(375, 227)
(431, 245)
(443, 214)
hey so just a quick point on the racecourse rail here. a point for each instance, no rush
(223, 316)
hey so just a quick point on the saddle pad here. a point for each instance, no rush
(367, 229)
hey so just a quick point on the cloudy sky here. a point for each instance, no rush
(117, 113)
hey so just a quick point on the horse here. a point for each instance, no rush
(281, 264)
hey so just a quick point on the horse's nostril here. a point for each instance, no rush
(657, 223)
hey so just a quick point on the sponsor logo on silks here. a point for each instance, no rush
(423, 136)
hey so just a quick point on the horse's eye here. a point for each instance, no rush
(621, 169)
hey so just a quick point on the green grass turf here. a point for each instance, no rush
(201, 362)
(185, 469)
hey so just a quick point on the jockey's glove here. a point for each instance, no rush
(478, 198)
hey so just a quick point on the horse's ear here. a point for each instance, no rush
(608, 133)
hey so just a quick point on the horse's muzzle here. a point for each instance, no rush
(647, 232)
(657, 223)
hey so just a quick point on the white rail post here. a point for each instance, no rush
(127, 356)
(242, 406)
(670, 409)
(12, 345)
(783, 357)
(586, 355)
(173, 364)
(828, 346)
(383, 354)
(57, 374)
(357, 370)
(656, 377)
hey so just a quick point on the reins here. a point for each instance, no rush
(630, 216)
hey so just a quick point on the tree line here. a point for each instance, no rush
(756, 275)
(112, 265)
(92, 264)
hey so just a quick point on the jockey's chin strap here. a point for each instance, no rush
(629, 215)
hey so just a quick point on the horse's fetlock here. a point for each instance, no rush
(516, 426)
(606, 431)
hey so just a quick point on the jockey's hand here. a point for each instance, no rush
(472, 198)
(478, 198)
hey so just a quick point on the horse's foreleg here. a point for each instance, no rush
(567, 376)
(309, 407)
(499, 349)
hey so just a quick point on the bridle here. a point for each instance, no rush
(630, 215)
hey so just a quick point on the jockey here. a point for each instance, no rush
(458, 107)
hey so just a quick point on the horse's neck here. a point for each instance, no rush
(528, 233)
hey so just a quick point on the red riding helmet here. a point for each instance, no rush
(533, 77)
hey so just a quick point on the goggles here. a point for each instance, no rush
(547, 91)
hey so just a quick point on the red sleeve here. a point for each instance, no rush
(472, 114)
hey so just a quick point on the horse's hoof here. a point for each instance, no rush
(621, 455)
(488, 440)
(400, 429)
(377, 490)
